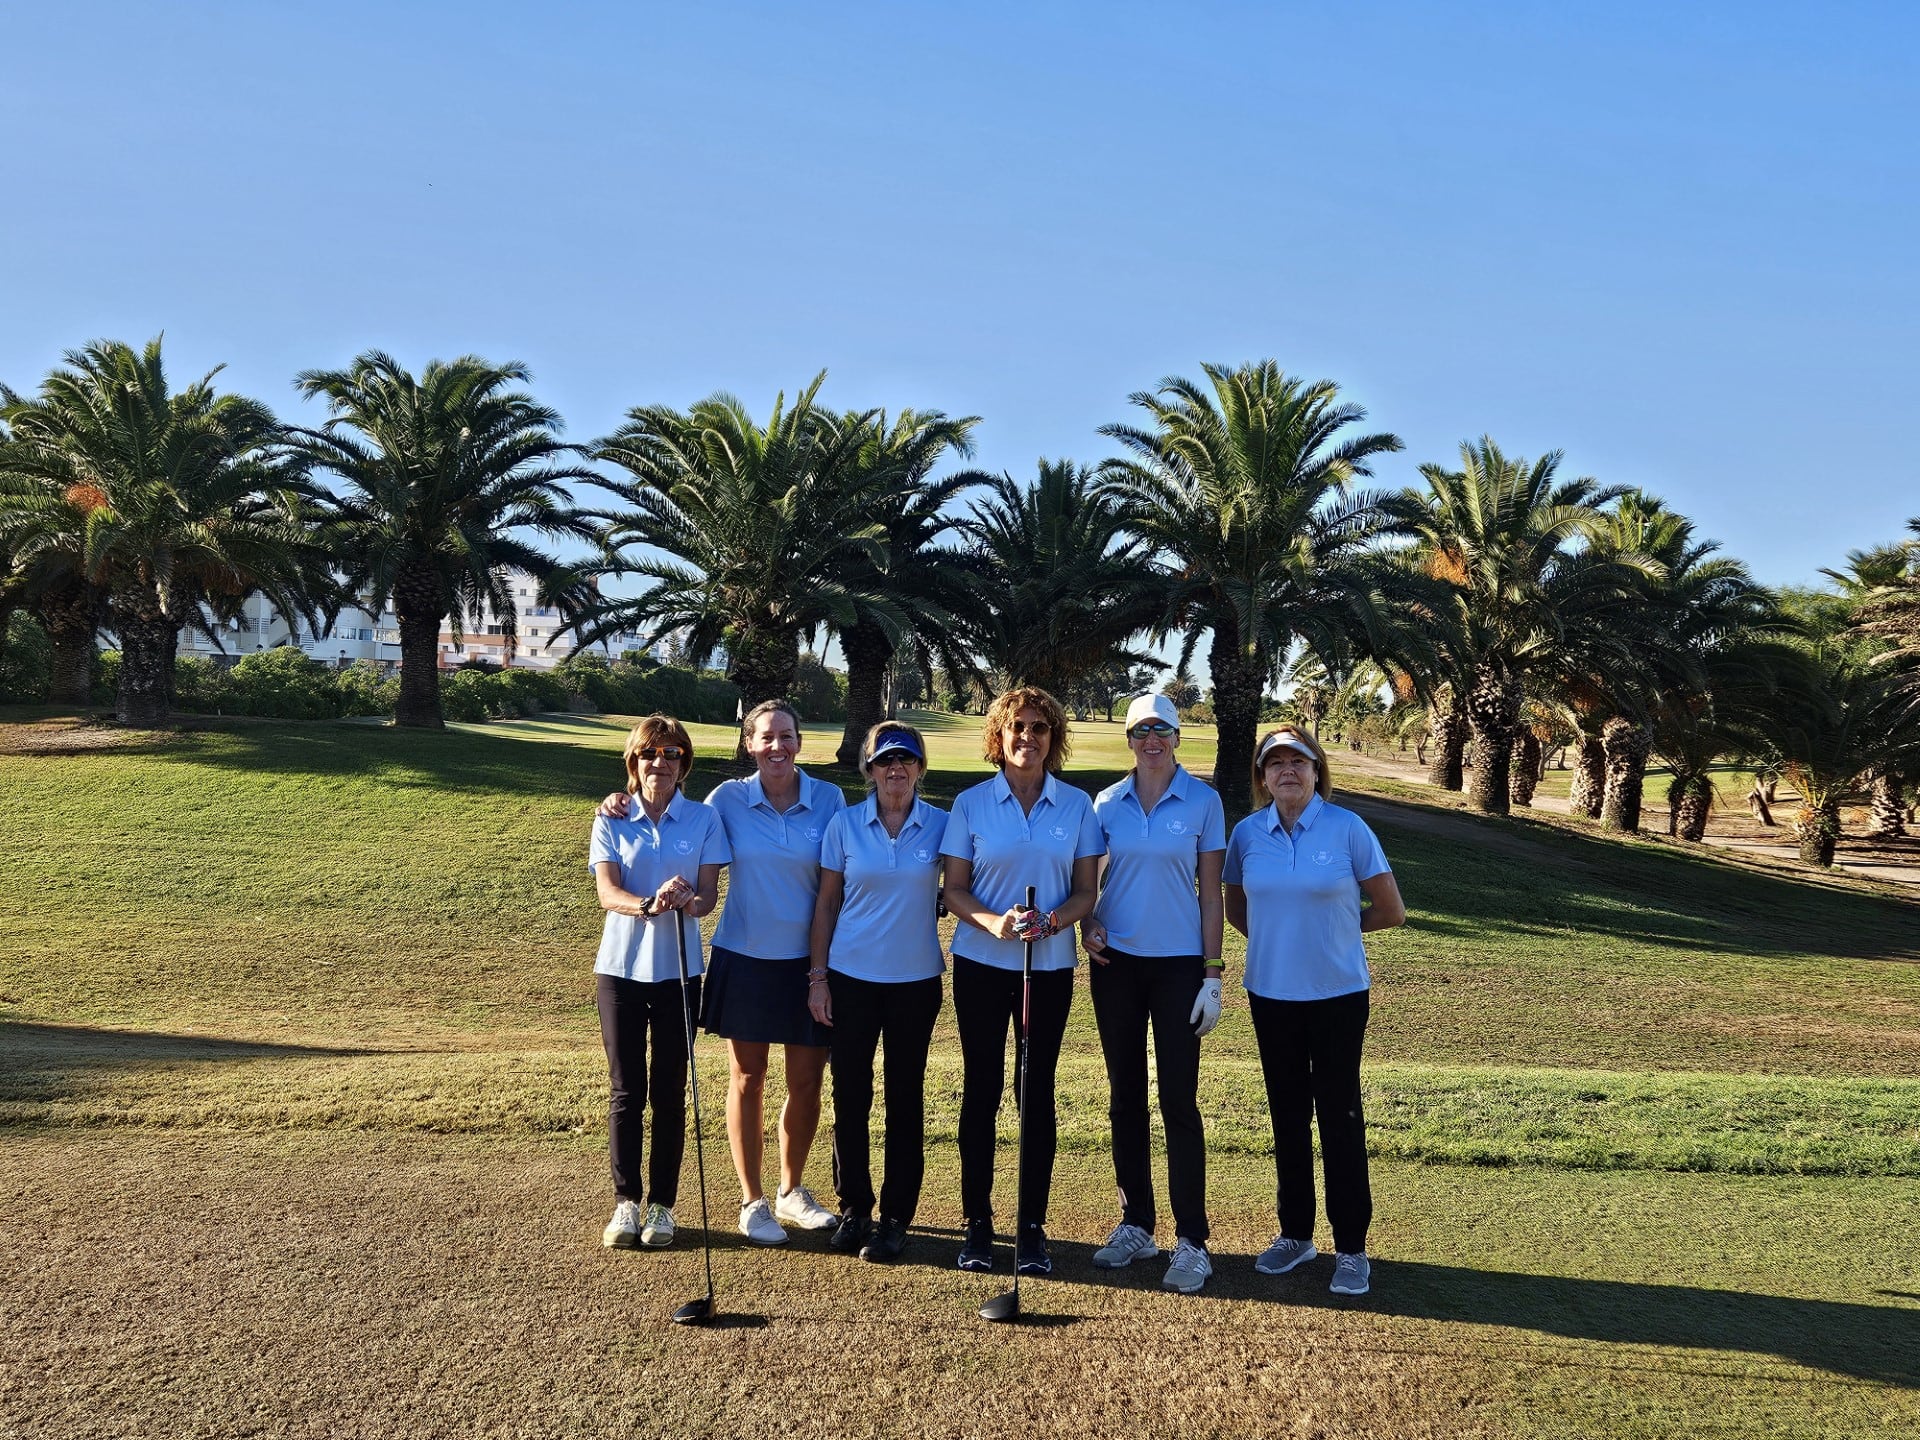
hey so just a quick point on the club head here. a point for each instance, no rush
(695, 1312)
(1002, 1308)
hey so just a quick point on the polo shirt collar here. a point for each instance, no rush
(915, 816)
(1003, 791)
(1307, 816)
(1176, 787)
(757, 793)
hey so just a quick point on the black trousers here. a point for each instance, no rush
(985, 1000)
(634, 1014)
(864, 1012)
(1129, 993)
(1310, 1055)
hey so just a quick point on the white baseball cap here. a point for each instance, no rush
(1152, 707)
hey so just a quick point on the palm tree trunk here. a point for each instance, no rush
(1447, 733)
(1692, 800)
(1493, 710)
(762, 660)
(1589, 778)
(147, 640)
(1524, 768)
(1238, 680)
(1818, 829)
(869, 660)
(71, 613)
(1627, 746)
(1886, 816)
(420, 604)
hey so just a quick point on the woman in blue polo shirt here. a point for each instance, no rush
(1154, 940)
(876, 972)
(1026, 826)
(756, 985)
(1304, 880)
(651, 869)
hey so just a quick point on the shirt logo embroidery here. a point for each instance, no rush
(1323, 857)
(814, 834)
(923, 855)
(684, 847)
(1176, 827)
(1059, 832)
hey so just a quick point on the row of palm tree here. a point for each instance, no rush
(1497, 595)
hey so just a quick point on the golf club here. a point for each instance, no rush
(699, 1311)
(1007, 1306)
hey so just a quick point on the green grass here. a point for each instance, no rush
(1647, 1119)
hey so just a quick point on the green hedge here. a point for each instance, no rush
(26, 661)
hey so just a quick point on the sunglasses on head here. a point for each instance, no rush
(1149, 727)
(1030, 727)
(662, 752)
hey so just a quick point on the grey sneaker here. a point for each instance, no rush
(758, 1225)
(1283, 1255)
(623, 1230)
(658, 1231)
(798, 1207)
(1125, 1245)
(1189, 1269)
(1352, 1275)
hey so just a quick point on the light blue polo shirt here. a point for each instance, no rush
(1149, 900)
(1010, 850)
(776, 865)
(887, 926)
(687, 837)
(1303, 900)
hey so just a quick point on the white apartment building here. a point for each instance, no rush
(359, 634)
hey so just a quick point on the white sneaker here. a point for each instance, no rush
(658, 1232)
(1283, 1255)
(759, 1226)
(1352, 1275)
(798, 1207)
(1125, 1245)
(623, 1230)
(1189, 1269)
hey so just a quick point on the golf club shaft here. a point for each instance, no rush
(1020, 1132)
(693, 1088)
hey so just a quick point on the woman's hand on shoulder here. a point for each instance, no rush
(615, 806)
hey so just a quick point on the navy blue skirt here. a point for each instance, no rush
(762, 1002)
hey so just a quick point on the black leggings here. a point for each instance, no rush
(1310, 1055)
(863, 1012)
(1129, 993)
(631, 1013)
(985, 1000)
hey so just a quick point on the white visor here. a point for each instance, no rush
(1285, 741)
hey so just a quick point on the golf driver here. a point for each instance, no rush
(699, 1311)
(1007, 1306)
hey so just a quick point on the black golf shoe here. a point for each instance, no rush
(851, 1234)
(977, 1253)
(1030, 1255)
(889, 1238)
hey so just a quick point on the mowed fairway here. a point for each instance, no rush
(302, 1107)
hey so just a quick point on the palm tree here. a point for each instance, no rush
(1500, 534)
(910, 591)
(1243, 486)
(756, 529)
(1059, 591)
(1833, 733)
(441, 474)
(1883, 586)
(164, 502)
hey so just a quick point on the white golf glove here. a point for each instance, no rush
(1206, 1007)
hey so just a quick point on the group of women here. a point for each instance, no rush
(828, 946)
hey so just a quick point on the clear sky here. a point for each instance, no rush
(1676, 241)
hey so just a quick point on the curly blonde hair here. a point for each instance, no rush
(993, 733)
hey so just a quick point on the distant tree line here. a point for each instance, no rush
(1498, 610)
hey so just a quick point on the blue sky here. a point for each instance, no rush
(1674, 241)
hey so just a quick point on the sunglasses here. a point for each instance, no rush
(662, 752)
(1030, 727)
(887, 759)
(1150, 727)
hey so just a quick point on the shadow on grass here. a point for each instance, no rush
(41, 1048)
(1468, 876)
(1867, 1342)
